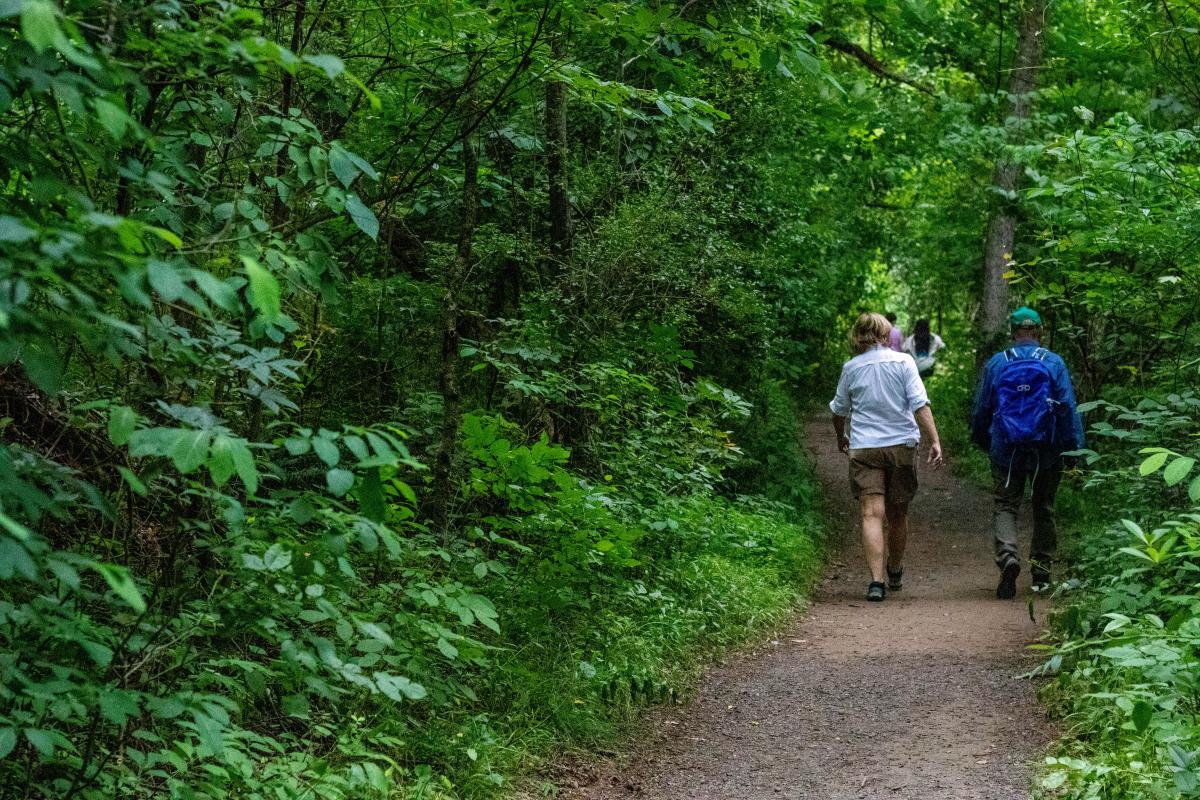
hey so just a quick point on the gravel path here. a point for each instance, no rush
(913, 698)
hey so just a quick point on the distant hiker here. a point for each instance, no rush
(1025, 418)
(884, 400)
(922, 346)
(896, 335)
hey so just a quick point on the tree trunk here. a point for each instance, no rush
(556, 162)
(1001, 232)
(448, 380)
(279, 210)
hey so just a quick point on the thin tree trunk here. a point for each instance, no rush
(556, 161)
(448, 380)
(1001, 232)
(279, 209)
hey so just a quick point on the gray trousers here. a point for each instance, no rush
(1008, 491)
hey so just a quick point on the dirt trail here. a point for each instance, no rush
(915, 697)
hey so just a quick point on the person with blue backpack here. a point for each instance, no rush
(1025, 418)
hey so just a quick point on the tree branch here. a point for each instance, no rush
(869, 61)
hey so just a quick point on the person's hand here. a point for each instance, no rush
(935, 455)
(844, 444)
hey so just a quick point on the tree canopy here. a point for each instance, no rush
(375, 374)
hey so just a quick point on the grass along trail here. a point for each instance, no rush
(915, 697)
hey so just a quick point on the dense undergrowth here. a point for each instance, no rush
(394, 394)
(1122, 651)
(1125, 657)
(393, 397)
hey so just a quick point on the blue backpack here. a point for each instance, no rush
(1024, 404)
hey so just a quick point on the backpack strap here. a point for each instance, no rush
(1040, 354)
(1010, 355)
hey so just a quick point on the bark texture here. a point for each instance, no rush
(1002, 227)
(448, 378)
(556, 162)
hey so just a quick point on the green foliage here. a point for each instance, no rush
(226, 234)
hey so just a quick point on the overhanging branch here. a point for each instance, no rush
(869, 61)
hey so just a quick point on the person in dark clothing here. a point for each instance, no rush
(1025, 417)
(923, 346)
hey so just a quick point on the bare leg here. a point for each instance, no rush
(897, 536)
(872, 533)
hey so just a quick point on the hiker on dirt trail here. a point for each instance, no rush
(1025, 418)
(923, 346)
(896, 335)
(884, 400)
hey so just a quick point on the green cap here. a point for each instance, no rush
(1025, 317)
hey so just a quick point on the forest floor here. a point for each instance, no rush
(915, 697)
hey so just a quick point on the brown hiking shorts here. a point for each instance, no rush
(889, 471)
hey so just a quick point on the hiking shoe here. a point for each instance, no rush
(895, 579)
(1040, 577)
(1007, 589)
(876, 591)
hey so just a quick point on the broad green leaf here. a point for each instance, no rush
(15, 559)
(363, 217)
(374, 631)
(112, 117)
(342, 165)
(1177, 470)
(1194, 489)
(245, 465)
(210, 732)
(43, 365)
(331, 65)
(118, 705)
(216, 290)
(120, 581)
(363, 165)
(326, 450)
(1142, 714)
(14, 528)
(295, 705)
(398, 687)
(370, 496)
(339, 480)
(170, 237)
(41, 740)
(100, 653)
(1153, 463)
(447, 649)
(13, 230)
(134, 482)
(189, 450)
(277, 557)
(39, 23)
(220, 460)
(483, 610)
(8, 740)
(121, 423)
(263, 290)
(166, 279)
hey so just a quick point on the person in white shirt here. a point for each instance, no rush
(923, 346)
(883, 398)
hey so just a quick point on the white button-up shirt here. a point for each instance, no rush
(880, 391)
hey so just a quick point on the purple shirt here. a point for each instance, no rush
(896, 339)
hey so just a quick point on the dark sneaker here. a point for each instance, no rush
(1007, 589)
(895, 579)
(1040, 577)
(876, 591)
